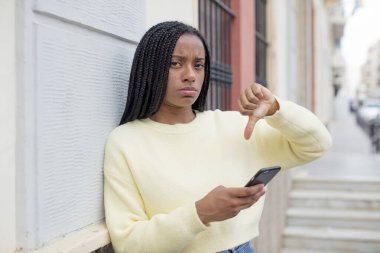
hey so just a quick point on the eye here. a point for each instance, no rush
(175, 64)
(199, 66)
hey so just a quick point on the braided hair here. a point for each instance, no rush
(150, 69)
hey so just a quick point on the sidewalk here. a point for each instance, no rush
(350, 156)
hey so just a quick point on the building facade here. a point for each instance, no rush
(370, 74)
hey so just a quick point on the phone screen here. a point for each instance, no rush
(263, 176)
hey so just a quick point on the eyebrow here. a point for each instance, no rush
(182, 57)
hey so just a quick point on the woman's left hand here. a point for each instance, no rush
(256, 102)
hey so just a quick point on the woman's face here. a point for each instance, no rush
(186, 73)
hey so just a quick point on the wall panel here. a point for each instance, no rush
(74, 60)
(117, 17)
(81, 87)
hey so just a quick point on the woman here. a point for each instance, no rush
(174, 173)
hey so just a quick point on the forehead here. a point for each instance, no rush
(189, 43)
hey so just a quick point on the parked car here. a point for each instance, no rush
(367, 113)
(374, 134)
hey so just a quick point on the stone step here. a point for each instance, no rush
(355, 219)
(336, 184)
(332, 239)
(335, 200)
(294, 250)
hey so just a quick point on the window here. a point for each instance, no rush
(261, 42)
(215, 18)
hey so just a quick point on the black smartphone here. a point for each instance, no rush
(263, 176)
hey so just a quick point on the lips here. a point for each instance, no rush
(188, 91)
(190, 88)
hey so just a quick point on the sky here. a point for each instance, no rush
(361, 31)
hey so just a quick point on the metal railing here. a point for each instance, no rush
(261, 42)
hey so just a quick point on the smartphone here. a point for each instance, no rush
(263, 176)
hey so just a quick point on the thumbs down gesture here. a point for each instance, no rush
(256, 102)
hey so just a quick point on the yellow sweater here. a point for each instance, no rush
(154, 174)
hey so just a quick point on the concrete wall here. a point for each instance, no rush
(7, 126)
(278, 47)
(73, 70)
(289, 59)
(290, 54)
(323, 63)
(299, 52)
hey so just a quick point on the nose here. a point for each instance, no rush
(189, 74)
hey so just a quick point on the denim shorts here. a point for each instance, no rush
(243, 248)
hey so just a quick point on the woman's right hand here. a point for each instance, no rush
(223, 203)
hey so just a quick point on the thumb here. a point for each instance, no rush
(250, 126)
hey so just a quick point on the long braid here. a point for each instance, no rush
(160, 49)
(167, 48)
(150, 70)
(135, 84)
(149, 77)
(200, 103)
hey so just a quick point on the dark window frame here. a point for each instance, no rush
(261, 42)
(215, 23)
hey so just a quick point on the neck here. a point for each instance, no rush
(171, 116)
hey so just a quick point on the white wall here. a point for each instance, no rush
(287, 59)
(284, 63)
(278, 47)
(7, 126)
(323, 63)
(168, 10)
(73, 73)
(294, 43)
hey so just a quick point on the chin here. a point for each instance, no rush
(181, 102)
(189, 102)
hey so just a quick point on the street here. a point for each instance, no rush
(350, 155)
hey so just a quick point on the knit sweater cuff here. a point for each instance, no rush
(198, 224)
